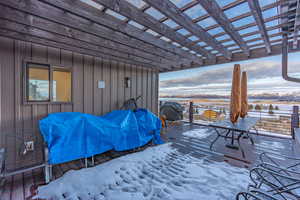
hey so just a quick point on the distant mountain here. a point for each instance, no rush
(265, 96)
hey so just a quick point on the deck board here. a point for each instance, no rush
(24, 185)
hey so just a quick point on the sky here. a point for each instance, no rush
(264, 76)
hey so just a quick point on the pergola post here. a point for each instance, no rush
(191, 112)
(294, 120)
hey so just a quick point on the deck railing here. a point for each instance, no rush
(274, 122)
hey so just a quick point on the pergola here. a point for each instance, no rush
(162, 34)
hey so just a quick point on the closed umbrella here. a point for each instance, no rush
(244, 97)
(235, 101)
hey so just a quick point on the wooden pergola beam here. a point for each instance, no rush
(109, 37)
(215, 11)
(43, 24)
(158, 46)
(272, 5)
(49, 36)
(254, 53)
(28, 38)
(257, 14)
(133, 13)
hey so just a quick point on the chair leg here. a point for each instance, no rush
(211, 145)
(240, 147)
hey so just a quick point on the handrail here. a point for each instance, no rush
(284, 60)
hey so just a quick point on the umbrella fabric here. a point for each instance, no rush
(244, 97)
(235, 101)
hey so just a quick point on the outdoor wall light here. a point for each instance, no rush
(127, 82)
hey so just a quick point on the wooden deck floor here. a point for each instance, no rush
(23, 186)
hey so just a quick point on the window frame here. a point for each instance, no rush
(51, 68)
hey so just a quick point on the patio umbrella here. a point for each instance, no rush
(244, 97)
(235, 101)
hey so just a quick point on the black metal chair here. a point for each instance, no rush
(275, 181)
(255, 194)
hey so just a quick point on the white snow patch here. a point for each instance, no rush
(199, 133)
(156, 173)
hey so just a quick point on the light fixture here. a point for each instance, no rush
(127, 82)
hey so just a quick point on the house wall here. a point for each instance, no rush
(19, 121)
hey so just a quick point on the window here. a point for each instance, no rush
(46, 83)
(61, 86)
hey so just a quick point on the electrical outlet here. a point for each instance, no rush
(29, 146)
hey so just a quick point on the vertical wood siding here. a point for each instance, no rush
(19, 122)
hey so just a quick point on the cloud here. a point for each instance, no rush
(262, 76)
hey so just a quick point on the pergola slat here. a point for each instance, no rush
(214, 10)
(174, 13)
(133, 13)
(81, 9)
(257, 14)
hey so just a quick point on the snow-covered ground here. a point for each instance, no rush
(158, 172)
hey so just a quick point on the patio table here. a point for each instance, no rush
(234, 131)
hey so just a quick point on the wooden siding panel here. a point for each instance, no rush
(54, 59)
(127, 74)
(98, 92)
(88, 84)
(149, 89)
(20, 55)
(140, 86)
(121, 91)
(40, 54)
(67, 62)
(78, 97)
(7, 100)
(27, 109)
(106, 90)
(145, 86)
(133, 82)
(114, 85)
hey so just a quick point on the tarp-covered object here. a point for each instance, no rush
(73, 135)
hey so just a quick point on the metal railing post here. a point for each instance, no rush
(191, 112)
(294, 120)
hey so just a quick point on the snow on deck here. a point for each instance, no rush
(156, 173)
(199, 133)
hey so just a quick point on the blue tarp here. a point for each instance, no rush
(74, 135)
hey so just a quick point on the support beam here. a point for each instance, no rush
(296, 25)
(215, 11)
(257, 14)
(133, 13)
